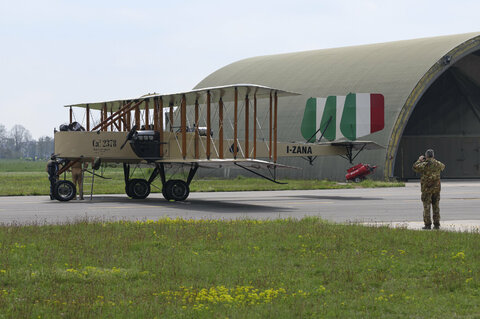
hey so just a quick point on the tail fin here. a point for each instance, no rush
(351, 116)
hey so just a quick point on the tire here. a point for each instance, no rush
(138, 189)
(64, 191)
(358, 179)
(127, 189)
(164, 190)
(177, 190)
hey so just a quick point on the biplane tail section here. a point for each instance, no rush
(343, 117)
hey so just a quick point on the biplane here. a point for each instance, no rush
(232, 125)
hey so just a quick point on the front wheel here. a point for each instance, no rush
(64, 191)
(138, 189)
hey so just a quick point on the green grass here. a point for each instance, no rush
(30, 178)
(236, 269)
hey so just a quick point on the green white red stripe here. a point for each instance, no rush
(351, 116)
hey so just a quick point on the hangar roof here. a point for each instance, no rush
(402, 71)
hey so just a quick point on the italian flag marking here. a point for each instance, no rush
(362, 114)
(351, 116)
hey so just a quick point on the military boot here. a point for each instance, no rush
(427, 227)
(436, 226)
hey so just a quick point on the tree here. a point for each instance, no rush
(4, 141)
(18, 143)
(44, 147)
(20, 135)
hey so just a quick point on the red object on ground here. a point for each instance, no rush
(358, 172)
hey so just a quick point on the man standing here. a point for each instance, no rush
(430, 169)
(52, 169)
(77, 177)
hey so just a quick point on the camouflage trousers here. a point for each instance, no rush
(433, 200)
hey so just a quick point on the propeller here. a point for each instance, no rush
(129, 136)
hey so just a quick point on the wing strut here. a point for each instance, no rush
(311, 159)
(261, 175)
(349, 156)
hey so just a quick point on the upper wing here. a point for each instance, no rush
(227, 93)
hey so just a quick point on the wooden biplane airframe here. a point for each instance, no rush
(194, 129)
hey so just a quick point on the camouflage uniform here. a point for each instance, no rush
(430, 169)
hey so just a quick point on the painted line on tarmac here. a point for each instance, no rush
(112, 207)
(296, 203)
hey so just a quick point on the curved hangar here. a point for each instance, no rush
(432, 99)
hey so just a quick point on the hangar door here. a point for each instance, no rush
(447, 119)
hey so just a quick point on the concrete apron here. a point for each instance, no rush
(472, 226)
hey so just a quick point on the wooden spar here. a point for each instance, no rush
(270, 129)
(155, 113)
(183, 128)
(114, 123)
(247, 106)
(197, 135)
(105, 115)
(171, 118)
(129, 120)
(275, 129)
(88, 118)
(209, 126)
(119, 121)
(220, 128)
(255, 125)
(137, 117)
(147, 115)
(235, 126)
(71, 115)
(123, 110)
(111, 124)
(160, 124)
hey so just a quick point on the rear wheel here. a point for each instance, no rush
(176, 189)
(138, 189)
(64, 191)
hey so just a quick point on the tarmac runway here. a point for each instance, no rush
(398, 207)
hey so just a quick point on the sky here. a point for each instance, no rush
(54, 53)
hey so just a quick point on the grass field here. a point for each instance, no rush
(236, 269)
(29, 178)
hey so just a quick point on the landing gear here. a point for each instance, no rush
(64, 191)
(176, 189)
(173, 189)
